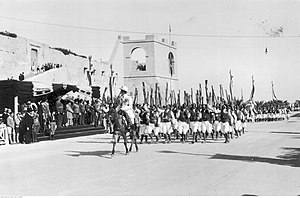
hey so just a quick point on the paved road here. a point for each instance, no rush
(264, 161)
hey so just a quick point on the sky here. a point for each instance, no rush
(213, 36)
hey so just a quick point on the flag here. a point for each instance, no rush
(221, 93)
(166, 98)
(273, 92)
(230, 85)
(253, 89)
(206, 92)
(214, 99)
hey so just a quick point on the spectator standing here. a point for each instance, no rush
(17, 126)
(69, 113)
(76, 111)
(36, 126)
(60, 111)
(105, 109)
(88, 112)
(11, 128)
(81, 112)
(5, 115)
(45, 112)
(26, 127)
(53, 126)
(97, 110)
(3, 132)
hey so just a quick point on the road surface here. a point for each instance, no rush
(264, 161)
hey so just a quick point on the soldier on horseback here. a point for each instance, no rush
(123, 119)
(124, 103)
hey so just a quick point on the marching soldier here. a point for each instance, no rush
(195, 125)
(145, 128)
(217, 122)
(183, 122)
(207, 120)
(167, 118)
(155, 122)
(225, 123)
(239, 119)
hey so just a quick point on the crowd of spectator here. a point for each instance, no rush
(43, 118)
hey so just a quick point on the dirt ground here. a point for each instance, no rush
(264, 161)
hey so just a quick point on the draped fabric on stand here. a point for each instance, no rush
(96, 92)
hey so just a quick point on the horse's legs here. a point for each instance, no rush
(133, 138)
(125, 141)
(114, 144)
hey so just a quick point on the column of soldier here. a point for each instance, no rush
(221, 117)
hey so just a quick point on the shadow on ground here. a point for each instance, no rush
(286, 132)
(183, 153)
(291, 158)
(249, 195)
(104, 154)
(94, 142)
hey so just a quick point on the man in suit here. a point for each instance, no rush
(26, 127)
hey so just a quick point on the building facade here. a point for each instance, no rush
(42, 63)
(150, 61)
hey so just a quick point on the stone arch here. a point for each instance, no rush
(171, 63)
(138, 58)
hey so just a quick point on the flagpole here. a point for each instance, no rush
(170, 60)
(272, 90)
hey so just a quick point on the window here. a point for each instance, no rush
(138, 59)
(34, 59)
(171, 63)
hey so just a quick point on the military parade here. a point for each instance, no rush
(149, 98)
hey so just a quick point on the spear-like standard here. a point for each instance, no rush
(192, 96)
(200, 94)
(213, 96)
(178, 98)
(151, 97)
(175, 100)
(156, 94)
(230, 85)
(222, 97)
(103, 95)
(206, 91)
(135, 101)
(148, 101)
(159, 97)
(197, 98)
(144, 92)
(166, 98)
(227, 96)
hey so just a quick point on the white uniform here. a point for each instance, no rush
(126, 103)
